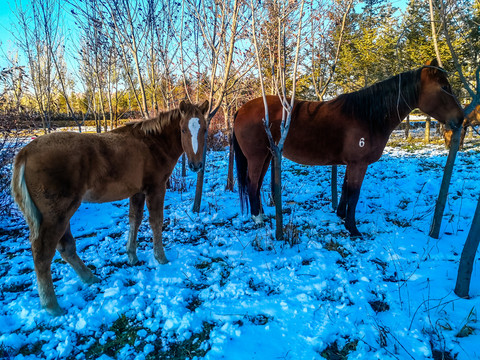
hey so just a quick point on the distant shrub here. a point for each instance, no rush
(9, 145)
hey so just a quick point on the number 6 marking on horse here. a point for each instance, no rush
(361, 143)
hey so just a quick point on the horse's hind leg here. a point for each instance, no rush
(137, 203)
(68, 250)
(354, 176)
(256, 172)
(155, 207)
(43, 250)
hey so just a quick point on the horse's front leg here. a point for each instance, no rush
(155, 200)
(354, 176)
(135, 215)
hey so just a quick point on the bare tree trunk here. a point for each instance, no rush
(334, 186)
(468, 256)
(229, 128)
(33, 31)
(277, 192)
(200, 179)
(434, 33)
(184, 166)
(442, 197)
(230, 180)
(287, 104)
(407, 127)
(221, 90)
(428, 123)
(447, 176)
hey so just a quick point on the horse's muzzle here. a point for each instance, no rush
(195, 167)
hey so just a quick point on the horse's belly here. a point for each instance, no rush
(114, 192)
(307, 155)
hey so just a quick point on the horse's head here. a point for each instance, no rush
(193, 127)
(436, 98)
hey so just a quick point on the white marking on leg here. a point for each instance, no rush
(194, 126)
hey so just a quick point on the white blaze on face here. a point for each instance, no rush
(194, 126)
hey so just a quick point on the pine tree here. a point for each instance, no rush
(369, 54)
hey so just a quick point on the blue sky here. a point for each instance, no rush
(7, 21)
(6, 17)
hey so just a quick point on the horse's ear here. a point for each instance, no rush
(183, 107)
(204, 107)
(433, 62)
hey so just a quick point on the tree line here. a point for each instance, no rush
(106, 60)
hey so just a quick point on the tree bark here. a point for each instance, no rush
(200, 178)
(434, 34)
(277, 192)
(184, 166)
(467, 258)
(334, 187)
(447, 176)
(407, 127)
(230, 180)
(428, 123)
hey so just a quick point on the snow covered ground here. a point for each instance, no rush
(230, 291)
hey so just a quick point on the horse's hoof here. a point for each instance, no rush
(355, 234)
(92, 280)
(55, 311)
(162, 261)
(133, 260)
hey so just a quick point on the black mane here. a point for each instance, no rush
(384, 100)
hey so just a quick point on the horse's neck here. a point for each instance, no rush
(400, 111)
(399, 115)
(169, 140)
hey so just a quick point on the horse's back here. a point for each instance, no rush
(84, 167)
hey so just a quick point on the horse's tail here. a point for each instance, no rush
(22, 197)
(242, 173)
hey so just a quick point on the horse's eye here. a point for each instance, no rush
(184, 131)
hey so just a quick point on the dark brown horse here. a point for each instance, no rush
(55, 173)
(351, 130)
